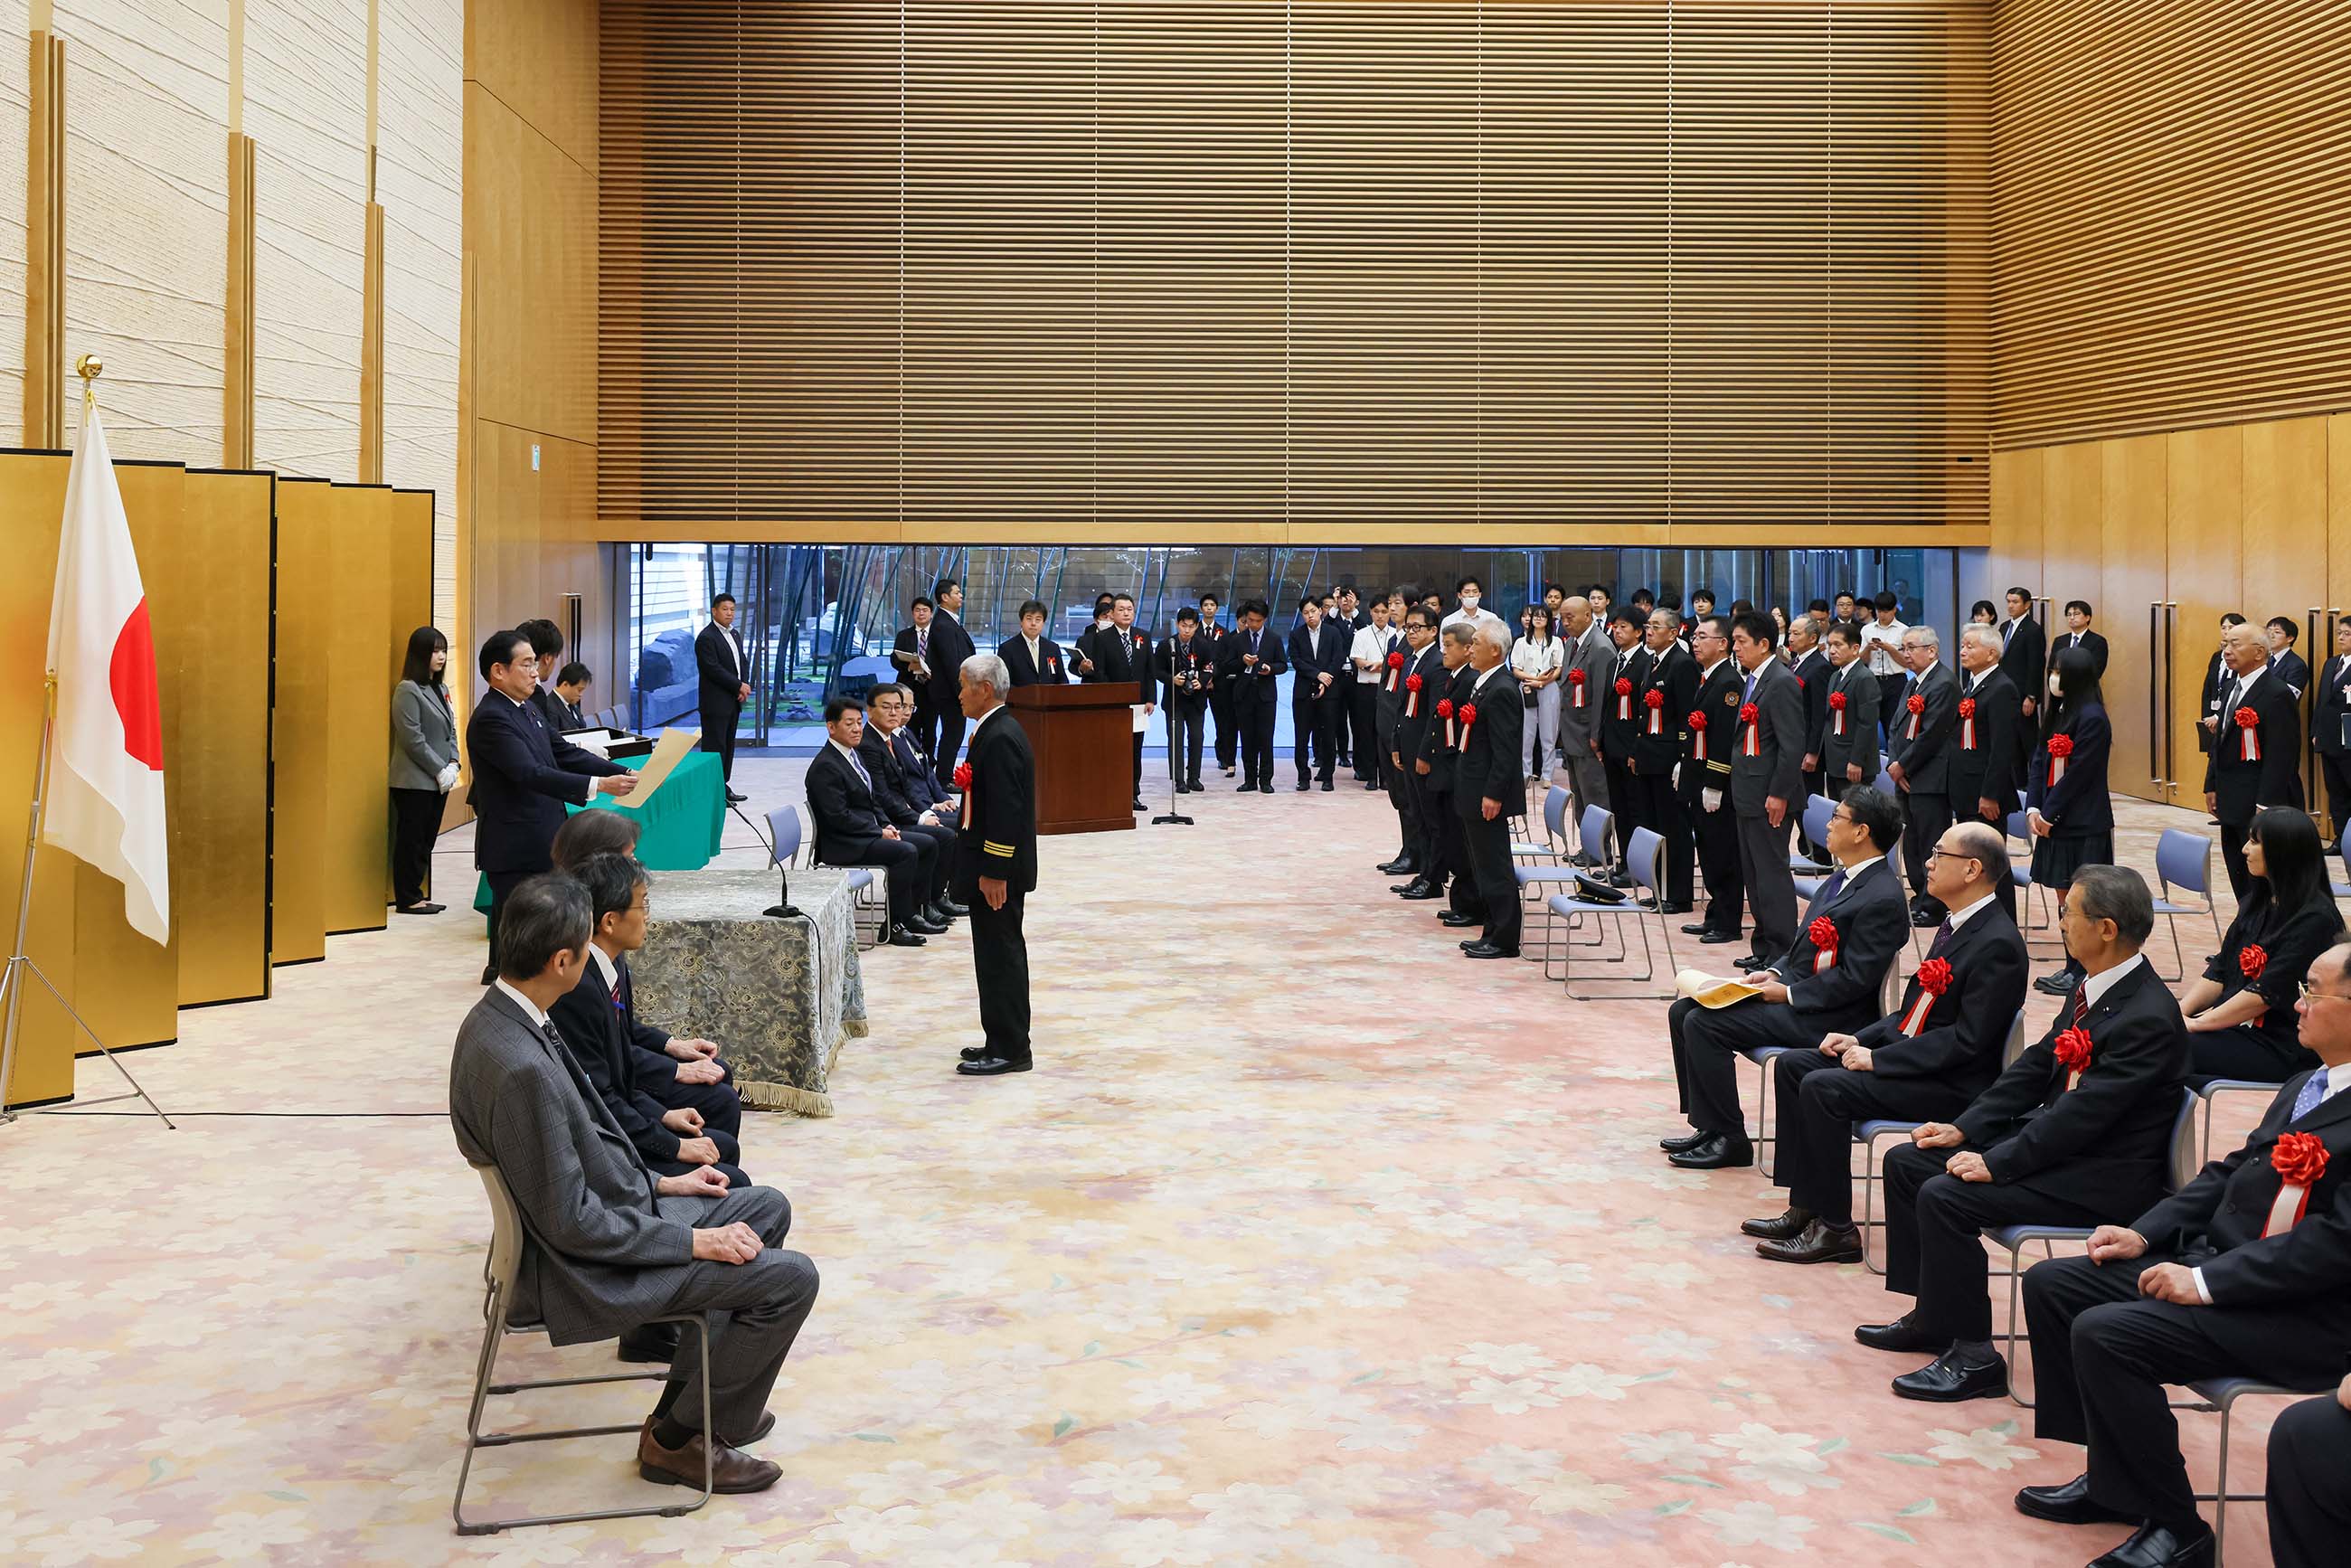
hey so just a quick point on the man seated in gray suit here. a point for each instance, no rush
(608, 1243)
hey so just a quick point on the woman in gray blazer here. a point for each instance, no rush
(423, 766)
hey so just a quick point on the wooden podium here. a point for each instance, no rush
(1084, 740)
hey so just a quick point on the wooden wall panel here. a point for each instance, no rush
(2014, 550)
(306, 633)
(2133, 504)
(358, 709)
(218, 591)
(539, 59)
(533, 334)
(2285, 518)
(2205, 544)
(2338, 514)
(16, 125)
(2072, 530)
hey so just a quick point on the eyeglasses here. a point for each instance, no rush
(1940, 854)
(2310, 995)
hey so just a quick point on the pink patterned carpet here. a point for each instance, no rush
(1309, 1242)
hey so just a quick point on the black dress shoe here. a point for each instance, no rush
(734, 800)
(2161, 1546)
(1719, 1151)
(1673, 907)
(2060, 984)
(1947, 1380)
(2069, 1504)
(1371, 783)
(1487, 950)
(418, 909)
(1781, 1227)
(1924, 920)
(901, 938)
(1417, 891)
(1902, 1334)
(991, 1067)
(922, 927)
(1717, 938)
(1455, 917)
(1752, 961)
(936, 916)
(1818, 1242)
(1327, 786)
(1193, 786)
(1138, 803)
(1304, 785)
(1392, 867)
(1700, 929)
(1182, 787)
(655, 1343)
(974, 1053)
(1619, 879)
(1677, 1144)
(954, 910)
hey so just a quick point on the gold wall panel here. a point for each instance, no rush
(2285, 521)
(2016, 505)
(217, 598)
(358, 706)
(2205, 484)
(412, 601)
(298, 721)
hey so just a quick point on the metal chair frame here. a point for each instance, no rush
(498, 1270)
(869, 893)
(1889, 997)
(1865, 1136)
(1647, 853)
(2173, 852)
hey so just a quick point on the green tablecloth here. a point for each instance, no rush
(680, 825)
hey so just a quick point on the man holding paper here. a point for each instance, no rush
(1827, 984)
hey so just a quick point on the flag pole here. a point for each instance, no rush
(20, 963)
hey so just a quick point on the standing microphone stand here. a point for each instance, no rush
(1175, 767)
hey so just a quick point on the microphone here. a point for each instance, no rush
(784, 910)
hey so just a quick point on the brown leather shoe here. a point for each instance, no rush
(730, 1471)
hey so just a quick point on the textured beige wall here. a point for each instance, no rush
(15, 106)
(147, 218)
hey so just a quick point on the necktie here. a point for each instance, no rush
(1750, 688)
(2081, 1003)
(2314, 1090)
(1942, 939)
(864, 777)
(923, 643)
(1832, 887)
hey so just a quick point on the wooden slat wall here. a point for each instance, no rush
(1379, 264)
(2172, 210)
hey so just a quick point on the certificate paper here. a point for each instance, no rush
(1713, 990)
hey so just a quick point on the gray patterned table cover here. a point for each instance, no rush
(713, 965)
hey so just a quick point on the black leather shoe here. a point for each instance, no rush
(1193, 786)
(1418, 890)
(1719, 1151)
(1371, 783)
(1753, 961)
(418, 909)
(955, 911)
(1818, 1242)
(991, 1067)
(2069, 1504)
(1327, 786)
(975, 1052)
(1619, 879)
(1454, 918)
(1924, 920)
(1677, 1144)
(734, 800)
(1700, 929)
(654, 1342)
(1182, 787)
(1947, 1380)
(1304, 785)
(1395, 867)
(1138, 803)
(936, 916)
(2060, 984)
(1717, 938)
(1673, 907)
(1902, 1334)
(922, 927)
(1781, 1227)
(1487, 950)
(901, 938)
(2160, 1546)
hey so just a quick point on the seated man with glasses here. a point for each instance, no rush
(1925, 1062)
(1828, 983)
(2076, 1131)
(2244, 1272)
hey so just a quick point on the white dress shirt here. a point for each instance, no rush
(540, 1019)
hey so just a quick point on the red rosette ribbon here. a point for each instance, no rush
(1823, 933)
(1445, 707)
(1624, 698)
(963, 776)
(1966, 724)
(1836, 706)
(2249, 734)
(1655, 700)
(1967, 707)
(2061, 746)
(2073, 1051)
(1753, 743)
(1468, 717)
(1396, 661)
(1915, 702)
(1575, 678)
(1624, 687)
(1411, 684)
(1697, 722)
(2299, 1160)
(1749, 714)
(2253, 959)
(1934, 979)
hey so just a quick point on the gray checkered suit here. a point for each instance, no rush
(605, 1252)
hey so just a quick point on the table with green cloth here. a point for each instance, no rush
(680, 826)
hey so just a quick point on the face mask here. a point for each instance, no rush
(2056, 689)
(1468, 601)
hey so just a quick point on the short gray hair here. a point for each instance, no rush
(1928, 636)
(1465, 632)
(1986, 635)
(988, 670)
(2118, 894)
(1495, 635)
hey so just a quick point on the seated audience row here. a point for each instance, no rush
(874, 800)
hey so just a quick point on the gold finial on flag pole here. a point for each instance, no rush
(90, 367)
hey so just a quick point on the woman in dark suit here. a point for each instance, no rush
(2071, 817)
(423, 766)
(2240, 1017)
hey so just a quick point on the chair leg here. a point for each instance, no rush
(2220, 1491)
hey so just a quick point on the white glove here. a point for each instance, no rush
(1710, 799)
(448, 778)
(1676, 777)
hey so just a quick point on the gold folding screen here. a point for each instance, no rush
(1139, 266)
(299, 841)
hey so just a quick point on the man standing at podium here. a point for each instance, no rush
(995, 866)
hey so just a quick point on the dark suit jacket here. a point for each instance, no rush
(892, 792)
(1254, 683)
(2274, 778)
(2293, 669)
(2215, 1222)
(1777, 768)
(1323, 654)
(1119, 654)
(1858, 743)
(1988, 769)
(1490, 750)
(997, 837)
(1014, 652)
(951, 644)
(1176, 663)
(1417, 711)
(2080, 803)
(2111, 1130)
(1715, 700)
(1620, 721)
(905, 644)
(2289, 940)
(1813, 670)
(915, 769)
(720, 685)
(598, 1035)
(2217, 679)
(1443, 748)
(1872, 917)
(1966, 1027)
(2024, 658)
(2092, 643)
(523, 774)
(1672, 675)
(847, 815)
(2329, 705)
(1925, 757)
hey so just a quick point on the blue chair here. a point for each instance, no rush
(1555, 847)
(1646, 855)
(1533, 879)
(1810, 877)
(2020, 872)
(1866, 1137)
(2015, 1238)
(2211, 1093)
(2183, 860)
(784, 850)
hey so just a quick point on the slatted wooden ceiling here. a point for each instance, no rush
(1149, 265)
(2172, 215)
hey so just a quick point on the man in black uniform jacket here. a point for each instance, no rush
(2025, 660)
(1982, 748)
(2310, 1482)
(996, 868)
(951, 644)
(2244, 1272)
(1186, 672)
(1918, 752)
(1489, 788)
(1213, 638)
(1252, 672)
(852, 830)
(2330, 705)
(1661, 706)
(522, 774)
(2256, 758)
(1706, 779)
(902, 803)
(1440, 749)
(1424, 681)
(1620, 728)
(1766, 775)
(1926, 1061)
(2284, 662)
(2052, 1142)
(1849, 731)
(723, 674)
(1034, 659)
(1319, 679)
(1828, 984)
